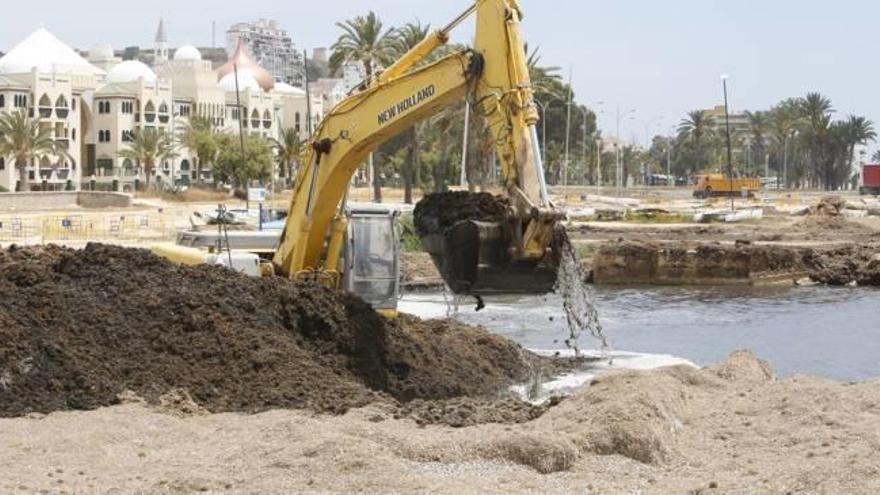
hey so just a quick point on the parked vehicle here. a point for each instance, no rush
(711, 185)
(870, 179)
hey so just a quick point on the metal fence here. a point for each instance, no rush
(88, 227)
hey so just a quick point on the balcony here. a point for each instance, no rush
(62, 112)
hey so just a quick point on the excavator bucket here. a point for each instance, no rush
(475, 255)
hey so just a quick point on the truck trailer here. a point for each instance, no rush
(870, 179)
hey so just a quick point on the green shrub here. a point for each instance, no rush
(409, 239)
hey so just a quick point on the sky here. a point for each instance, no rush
(659, 58)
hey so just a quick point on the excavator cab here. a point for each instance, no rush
(372, 255)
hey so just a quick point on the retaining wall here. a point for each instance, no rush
(62, 200)
(637, 263)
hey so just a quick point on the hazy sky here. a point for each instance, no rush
(661, 58)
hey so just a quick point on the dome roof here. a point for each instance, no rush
(130, 71)
(287, 89)
(242, 61)
(246, 80)
(187, 52)
(101, 51)
(46, 53)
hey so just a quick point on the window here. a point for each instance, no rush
(73, 104)
(105, 164)
(150, 112)
(73, 134)
(104, 107)
(2, 163)
(127, 107)
(297, 122)
(127, 136)
(20, 101)
(61, 107)
(104, 136)
(45, 106)
(2, 101)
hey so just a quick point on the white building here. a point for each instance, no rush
(271, 47)
(48, 80)
(92, 108)
(132, 98)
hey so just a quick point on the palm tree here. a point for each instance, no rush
(697, 128)
(544, 79)
(405, 39)
(197, 136)
(784, 121)
(22, 139)
(364, 40)
(817, 111)
(858, 130)
(759, 130)
(288, 147)
(147, 148)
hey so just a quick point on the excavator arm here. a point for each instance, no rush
(493, 76)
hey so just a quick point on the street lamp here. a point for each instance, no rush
(585, 112)
(543, 107)
(724, 78)
(669, 180)
(619, 167)
(788, 135)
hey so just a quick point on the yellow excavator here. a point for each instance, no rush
(325, 239)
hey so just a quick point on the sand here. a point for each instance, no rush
(728, 429)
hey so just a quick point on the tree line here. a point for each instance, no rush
(428, 156)
(798, 140)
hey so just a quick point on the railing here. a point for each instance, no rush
(149, 227)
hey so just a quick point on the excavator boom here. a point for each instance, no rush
(472, 256)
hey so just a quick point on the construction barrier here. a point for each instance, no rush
(89, 227)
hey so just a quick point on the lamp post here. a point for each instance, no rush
(174, 116)
(729, 143)
(788, 135)
(619, 166)
(567, 139)
(585, 113)
(543, 107)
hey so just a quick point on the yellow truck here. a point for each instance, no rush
(711, 185)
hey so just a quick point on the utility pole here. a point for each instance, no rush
(619, 168)
(586, 159)
(308, 93)
(784, 179)
(598, 166)
(729, 143)
(464, 146)
(567, 138)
